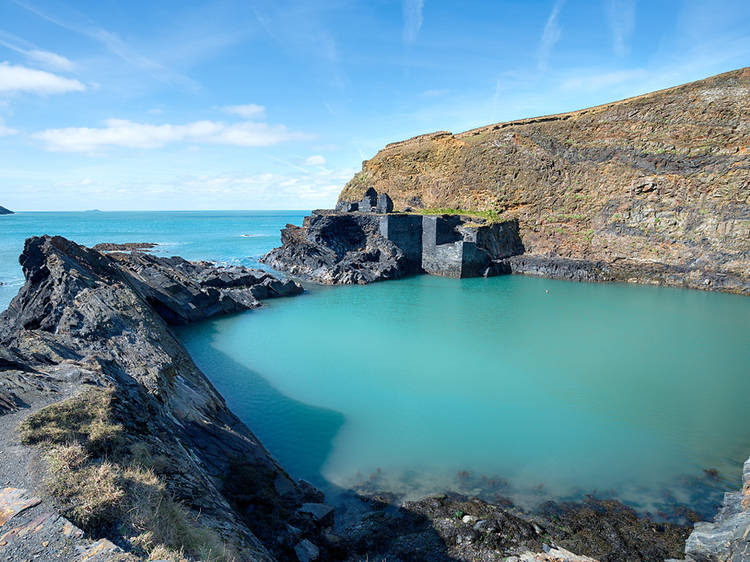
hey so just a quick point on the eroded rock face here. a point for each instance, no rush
(184, 292)
(83, 320)
(334, 248)
(656, 182)
(727, 537)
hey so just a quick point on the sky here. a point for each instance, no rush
(245, 104)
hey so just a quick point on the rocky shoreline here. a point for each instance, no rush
(110, 430)
(353, 246)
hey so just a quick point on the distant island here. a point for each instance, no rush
(4, 211)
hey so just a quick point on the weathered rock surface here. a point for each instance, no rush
(454, 527)
(125, 247)
(184, 292)
(334, 248)
(727, 538)
(4, 211)
(656, 183)
(353, 246)
(82, 322)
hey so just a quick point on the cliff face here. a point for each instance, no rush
(658, 184)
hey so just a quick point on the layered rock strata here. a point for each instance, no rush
(83, 328)
(656, 186)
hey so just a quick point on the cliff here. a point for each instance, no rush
(651, 189)
(4, 211)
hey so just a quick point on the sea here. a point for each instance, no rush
(512, 388)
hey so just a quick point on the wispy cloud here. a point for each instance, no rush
(22, 79)
(315, 160)
(621, 18)
(550, 36)
(112, 42)
(412, 19)
(46, 59)
(129, 134)
(248, 111)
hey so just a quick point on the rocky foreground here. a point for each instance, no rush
(115, 446)
(653, 189)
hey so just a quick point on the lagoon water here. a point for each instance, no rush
(488, 386)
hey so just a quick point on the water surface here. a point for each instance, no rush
(495, 386)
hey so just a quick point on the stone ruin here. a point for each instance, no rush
(371, 203)
(446, 245)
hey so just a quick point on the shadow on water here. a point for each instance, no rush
(301, 434)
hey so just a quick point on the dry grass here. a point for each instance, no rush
(107, 482)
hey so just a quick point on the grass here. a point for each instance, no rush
(489, 216)
(107, 483)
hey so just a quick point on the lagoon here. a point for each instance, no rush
(525, 388)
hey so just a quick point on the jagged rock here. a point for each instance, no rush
(83, 320)
(320, 512)
(12, 502)
(335, 248)
(184, 292)
(306, 551)
(126, 247)
(727, 538)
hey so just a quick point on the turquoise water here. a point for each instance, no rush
(487, 386)
(495, 387)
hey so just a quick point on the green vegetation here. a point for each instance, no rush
(489, 216)
(105, 480)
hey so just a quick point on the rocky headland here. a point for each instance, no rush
(653, 189)
(4, 211)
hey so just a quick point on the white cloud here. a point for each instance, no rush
(51, 60)
(621, 17)
(6, 131)
(316, 160)
(248, 111)
(22, 79)
(128, 134)
(593, 82)
(550, 36)
(412, 19)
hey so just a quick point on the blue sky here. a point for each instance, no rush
(273, 105)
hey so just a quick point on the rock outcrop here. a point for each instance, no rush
(335, 248)
(727, 538)
(4, 211)
(362, 246)
(657, 186)
(129, 402)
